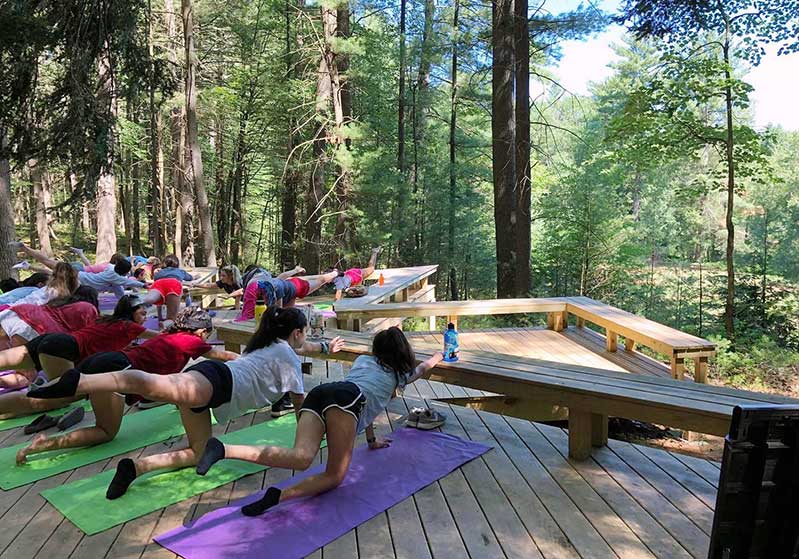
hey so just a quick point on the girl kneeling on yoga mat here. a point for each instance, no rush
(268, 368)
(55, 353)
(340, 410)
(165, 354)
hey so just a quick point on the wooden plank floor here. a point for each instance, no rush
(523, 499)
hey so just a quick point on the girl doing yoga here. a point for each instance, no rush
(268, 368)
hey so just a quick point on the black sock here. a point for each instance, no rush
(63, 387)
(214, 452)
(270, 499)
(126, 473)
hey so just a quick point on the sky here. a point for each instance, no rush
(775, 80)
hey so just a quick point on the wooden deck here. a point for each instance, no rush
(523, 499)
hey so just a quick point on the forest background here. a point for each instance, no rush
(285, 131)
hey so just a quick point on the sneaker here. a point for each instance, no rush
(425, 418)
(24, 265)
(283, 406)
(145, 404)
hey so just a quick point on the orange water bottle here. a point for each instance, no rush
(381, 280)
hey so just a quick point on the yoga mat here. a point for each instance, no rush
(138, 430)
(107, 302)
(6, 424)
(83, 502)
(377, 480)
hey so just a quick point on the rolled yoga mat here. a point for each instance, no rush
(13, 422)
(377, 480)
(83, 502)
(138, 430)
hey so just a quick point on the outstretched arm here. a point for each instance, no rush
(333, 346)
(423, 368)
(221, 355)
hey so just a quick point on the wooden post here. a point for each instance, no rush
(599, 429)
(580, 434)
(423, 283)
(550, 320)
(700, 369)
(677, 367)
(629, 344)
(356, 325)
(580, 322)
(564, 320)
(402, 296)
(431, 323)
(611, 341)
(454, 320)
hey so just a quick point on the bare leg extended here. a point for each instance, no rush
(108, 410)
(54, 366)
(370, 269)
(315, 282)
(15, 404)
(39, 256)
(189, 389)
(172, 306)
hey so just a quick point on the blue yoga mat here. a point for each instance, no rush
(377, 480)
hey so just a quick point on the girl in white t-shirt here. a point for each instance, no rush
(268, 369)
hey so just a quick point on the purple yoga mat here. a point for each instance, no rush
(107, 302)
(7, 390)
(377, 480)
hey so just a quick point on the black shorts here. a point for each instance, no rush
(221, 379)
(104, 362)
(343, 395)
(57, 345)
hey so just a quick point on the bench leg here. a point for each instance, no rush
(550, 321)
(700, 369)
(611, 341)
(580, 322)
(677, 367)
(453, 320)
(629, 344)
(431, 323)
(586, 430)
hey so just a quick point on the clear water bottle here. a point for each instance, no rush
(188, 300)
(451, 343)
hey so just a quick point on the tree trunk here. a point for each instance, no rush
(343, 98)
(420, 107)
(194, 159)
(729, 306)
(523, 196)
(293, 175)
(154, 195)
(503, 135)
(401, 93)
(7, 233)
(106, 184)
(176, 125)
(324, 92)
(40, 208)
(453, 200)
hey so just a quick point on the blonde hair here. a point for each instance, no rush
(64, 281)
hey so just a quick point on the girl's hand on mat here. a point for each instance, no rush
(336, 344)
(380, 442)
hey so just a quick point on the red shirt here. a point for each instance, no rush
(167, 354)
(64, 319)
(106, 336)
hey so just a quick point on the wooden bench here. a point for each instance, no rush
(674, 344)
(591, 395)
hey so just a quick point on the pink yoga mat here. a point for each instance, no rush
(377, 480)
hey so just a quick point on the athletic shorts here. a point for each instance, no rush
(301, 286)
(221, 379)
(104, 362)
(351, 277)
(13, 325)
(57, 345)
(343, 395)
(167, 286)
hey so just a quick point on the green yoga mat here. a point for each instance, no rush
(138, 430)
(6, 424)
(83, 502)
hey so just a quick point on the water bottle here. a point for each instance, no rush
(450, 344)
(188, 300)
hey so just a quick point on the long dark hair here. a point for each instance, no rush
(36, 279)
(276, 323)
(82, 293)
(124, 309)
(394, 352)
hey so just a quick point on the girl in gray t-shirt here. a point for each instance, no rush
(339, 410)
(268, 369)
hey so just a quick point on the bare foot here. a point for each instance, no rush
(33, 448)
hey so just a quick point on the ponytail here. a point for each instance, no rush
(276, 323)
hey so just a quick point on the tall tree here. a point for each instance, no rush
(503, 144)
(40, 197)
(753, 23)
(343, 97)
(401, 93)
(521, 269)
(194, 159)
(7, 232)
(106, 183)
(452, 280)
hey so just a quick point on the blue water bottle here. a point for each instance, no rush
(450, 344)
(188, 300)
